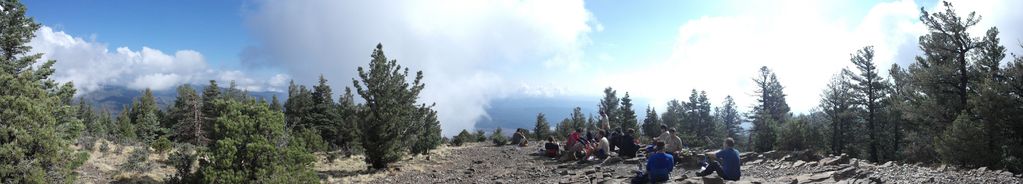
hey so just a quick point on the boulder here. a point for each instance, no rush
(798, 163)
(848, 172)
(773, 155)
(841, 159)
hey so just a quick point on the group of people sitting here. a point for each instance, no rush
(662, 154)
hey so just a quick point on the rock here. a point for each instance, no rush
(799, 163)
(888, 164)
(841, 159)
(590, 172)
(477, 162)
(875, 179)
(756, 161)
(564, 172)
(711, 179)
(981, 169)
(773, 155)
(748, 156)
(844, 173)
(806, 178)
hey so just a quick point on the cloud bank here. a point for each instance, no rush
(91, 66)
(469, 50)
(799, 41)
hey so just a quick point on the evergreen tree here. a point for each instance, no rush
(92, 122)
(275, 104)
(627, 115)
(250, 146)
(299, 119)
(390, 109)
(186, 113)
(673, 114)
(144, 116)
(578, 119)
(870, 90)
(125, 128)
(838, 105)
(941, 78)
(770, 110)
(349, 125)
(962, 144)
(564, 128)
(38, 119)
(651, 124)
(698, 123)
(542, 129)
(209, 111)
(609, 105)
(323, 114)
(728, 113)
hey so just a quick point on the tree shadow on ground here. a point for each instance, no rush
(136, 180)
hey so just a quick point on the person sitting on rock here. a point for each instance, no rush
(603, 147)
(658, 166)
(725, 162)
(552, 147)
(672, 143)
(573, 145)
(519, 138)
(627, 146)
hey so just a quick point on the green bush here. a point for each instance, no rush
(183, 160)
(481, 136)
(138, 161)
(246, 149)
(462, 138)
(161, 145)
(498, 138)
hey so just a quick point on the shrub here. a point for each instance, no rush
(498, 138)
(245, 147)
(183, 160)
(104, 147)
(138, 161)
(481, 136)
(161, 145)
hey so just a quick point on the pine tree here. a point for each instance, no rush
(673, 114)
(390, 108)
(698, 122)
(609, 105)
(209, 111)
(275, 104)
(250, 146)
(962, 144)
(651, 124)
(186, 113)
(728, 113)
(578, 119)
(324, 115)
(542, 129)
(38, 118)
(349, 124)
(838, 105)
(627, 115)
(769, 112)
(870, 90)
(427, 131)
(144, 116)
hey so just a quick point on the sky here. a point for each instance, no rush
(472, 52)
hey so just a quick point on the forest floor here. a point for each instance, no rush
(484, 163)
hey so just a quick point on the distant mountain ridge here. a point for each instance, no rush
(115, 98)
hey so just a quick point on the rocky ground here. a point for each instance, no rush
(482, 163)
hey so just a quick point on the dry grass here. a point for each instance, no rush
(103, 167)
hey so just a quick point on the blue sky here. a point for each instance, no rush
(475, 51)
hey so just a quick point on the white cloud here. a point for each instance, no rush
(466, 48)
(90, 65)
(802, 44)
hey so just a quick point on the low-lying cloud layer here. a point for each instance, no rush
(91, 65)
(803, 42)
(469, 50)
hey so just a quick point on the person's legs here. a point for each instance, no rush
(710, 167)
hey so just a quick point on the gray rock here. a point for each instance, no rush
(844, 173)
(711, 179)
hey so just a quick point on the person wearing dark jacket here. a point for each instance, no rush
(627, 146)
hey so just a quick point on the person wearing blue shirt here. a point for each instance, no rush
(658, 166)
(726, 163)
